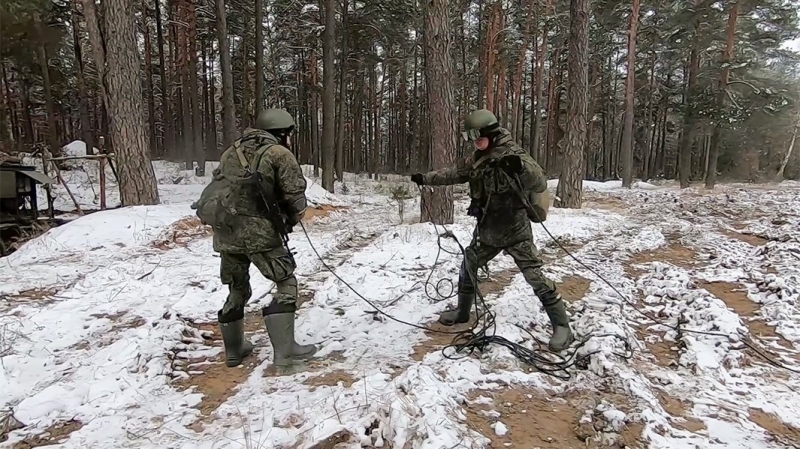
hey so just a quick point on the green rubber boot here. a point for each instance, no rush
(279, 320)
(461, 314)
(562, 334)
(236, 346)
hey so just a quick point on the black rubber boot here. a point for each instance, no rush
(279, 320)
(232, 329)
(562, 334)
(461, 314)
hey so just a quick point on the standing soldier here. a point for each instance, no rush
(506, 187)
(256, 196)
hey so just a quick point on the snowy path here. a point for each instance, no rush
(106, 340)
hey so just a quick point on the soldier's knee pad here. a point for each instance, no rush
(286, 290)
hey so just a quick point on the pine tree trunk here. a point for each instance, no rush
(437, 202)
(315, 147)
(570, 184)
(245, 110)
(194, 91)
(785, 162)
(536, 132)
(713, 153)
(52, 130)
(137, 182)
(97, 44)
(690, 117)
(27, 121)
(627, 130)
(229, 133)
(328, 97)
(148, 73)
(259, 23)
(340, 137)
(166, 114)
(495, 10)
(516, 90)
(86, 125)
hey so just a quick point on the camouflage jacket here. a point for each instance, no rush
(503, 221)
(281, 174)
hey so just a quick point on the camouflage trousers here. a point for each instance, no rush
(275, 264)
(527, 259)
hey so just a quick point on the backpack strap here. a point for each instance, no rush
(243, 159)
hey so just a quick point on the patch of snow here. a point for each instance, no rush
(102, 349)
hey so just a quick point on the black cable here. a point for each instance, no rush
(479, 337)
(481, 333)
(677, 328)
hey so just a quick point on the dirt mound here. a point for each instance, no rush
(330, 379)
(735, 297)
(182, 232)
(497, 282)
(321, 211)
(530, 418)
(574, 288)
(209, 376)
(439, 337)
(776, 428)
(745, 237)
(673, 253)
(679, 411)
(55, 434)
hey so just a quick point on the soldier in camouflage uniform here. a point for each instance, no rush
(250, 237)
(503, 220)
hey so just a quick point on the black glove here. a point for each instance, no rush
(416, 178)
(291, 221)
(511, 164)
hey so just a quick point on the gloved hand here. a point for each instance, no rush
(416, 178)
(291, 221)
(511, 164)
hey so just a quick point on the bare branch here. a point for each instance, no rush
(730, 97)
(755, 89)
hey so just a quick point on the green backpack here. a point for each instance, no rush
(226, 196)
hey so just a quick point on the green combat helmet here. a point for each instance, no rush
(270, 119)
(477, 121)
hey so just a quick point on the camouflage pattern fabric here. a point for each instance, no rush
(505, 221)
(274, 264)
(252, 233)
(504, 224)
(527, 259)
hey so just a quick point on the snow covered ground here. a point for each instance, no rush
(107, 332)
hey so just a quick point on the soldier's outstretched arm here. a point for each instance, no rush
(289, 179)
(456, 174)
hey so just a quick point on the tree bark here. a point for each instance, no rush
(166, 114)
(194, 91)
(259, 56)
(148, 73)
(627, 130)
(328, 96)
(518, 74)
(691, 115)
(52, 131)
(342, 96)
(97, 44)
(785, 162)
(713, 153)
(229, 133)
(137, 181)
(437, 202)
(86, 125)
(536, 132)
(570, 185)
